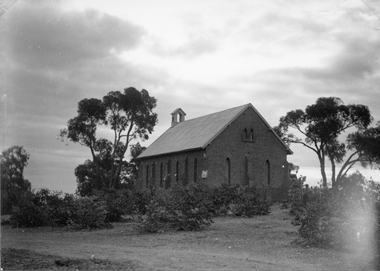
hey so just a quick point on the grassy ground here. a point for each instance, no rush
(24, 259)
(231, 243)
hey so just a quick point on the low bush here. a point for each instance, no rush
(118, 203)
(192, 207)
(225, 195)
(343, 216)
(248, 205)
(179, 208)
(31, 212)
(47, 208)
(297, 204)
(89, 213)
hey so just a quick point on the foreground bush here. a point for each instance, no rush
(47, 208)
(180, 208)
(192, 207)
(89, 213)
(118, 203)
(344, 216)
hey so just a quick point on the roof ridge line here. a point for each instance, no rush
(218, 112)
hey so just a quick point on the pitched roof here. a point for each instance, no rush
(196, 133)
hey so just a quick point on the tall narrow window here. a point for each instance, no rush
(154, 172)
(195, 170)
(251, 135)
(246, 171)
(228, 170)
(161, 174)
(147, 175)
(168, 176)
(186, 176)
(177, 168)
(268, 171)
(245, 134)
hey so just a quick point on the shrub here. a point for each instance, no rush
(31, 212)
(225, 195)
(118, 203)
(192, 207)
(251, 205)
(142, 199)
(47, 208)
(297, 204)
(343, 216)
(180, 208)
(89, 213)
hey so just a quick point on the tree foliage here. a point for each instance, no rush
(13, 184)
(129, 115)
(322, 124)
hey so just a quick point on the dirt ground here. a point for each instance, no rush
(259, 243)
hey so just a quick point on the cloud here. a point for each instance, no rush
(60, 39)
(63, 56)
(195, 47)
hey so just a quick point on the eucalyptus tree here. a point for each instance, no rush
(129, 115)
(13, 184)
(320, 127)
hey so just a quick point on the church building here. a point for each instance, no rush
(233, 146)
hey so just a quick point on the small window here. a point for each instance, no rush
(186, 177)
(147, 175)
(248, 135)
(195, 170)
(246, 169)
(228, 170)
(168, 174)
(154, 172)
(177, 168)
(161, 174)
(268, 171)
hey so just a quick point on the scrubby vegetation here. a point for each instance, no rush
(191, 207)
(178, 208)
(23, 259)
(345, 216)
(51, 208)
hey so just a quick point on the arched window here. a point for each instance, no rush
(251, 135)
(177, 169)
(246, 161)
(168, 174)
(147, 175)
(268, 171)
(161, 174)
(195, 170)
(186, 177)
(154, 172)
(245, 134)
(228, 170)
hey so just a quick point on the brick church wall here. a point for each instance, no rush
(249, 158)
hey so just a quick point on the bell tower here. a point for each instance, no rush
(178, 116)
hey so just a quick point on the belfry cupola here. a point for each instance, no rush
(178, 116)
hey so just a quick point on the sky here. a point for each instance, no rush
(202, 56)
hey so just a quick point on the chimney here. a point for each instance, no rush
(178, 116)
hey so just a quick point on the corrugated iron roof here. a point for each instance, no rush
(195, 133)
